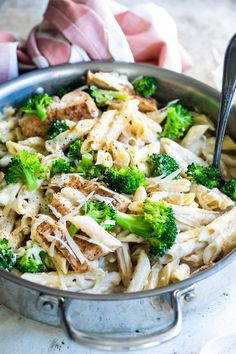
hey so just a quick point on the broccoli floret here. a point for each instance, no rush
(178, 122)
(37, 105)
(161, 164)
(208, 176)
(72, 230)
(145, 86)
(25, 167)
(32, 260)
(126, 180)
(7, 257)
(102, 213)
(105, 97)
(157, 225)
(74, 149)
(57, 127)
(60, 166)
(229, 188)
(87, 168)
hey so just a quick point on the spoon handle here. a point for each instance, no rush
(228, 89)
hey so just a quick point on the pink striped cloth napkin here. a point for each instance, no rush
(83, 30)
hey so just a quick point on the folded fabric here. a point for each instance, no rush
(83, 30)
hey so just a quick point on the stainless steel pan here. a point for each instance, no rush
(117, 321)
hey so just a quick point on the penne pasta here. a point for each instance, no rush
(140, 275)
(212, 199)
(152, 281)
(194, 217)
(96, 233)
(182, 155)
(61, 141)
(166, 272)
(125, 264)
(181, 272)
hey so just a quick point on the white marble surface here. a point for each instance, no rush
(204, 29)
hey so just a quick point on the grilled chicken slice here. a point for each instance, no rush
(32, 126)
(45, 229)
(90, 250)
(75, 105)
(114, 81)
(119, 201)
(60, 205)
(110, 81)
(146, 104)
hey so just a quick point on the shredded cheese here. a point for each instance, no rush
(171, 176)
(75, 210)
(102, 198)
(163, 178)
(74, 246)
(56, 238)
(95, 242)
(108, 222)
(54, 211)
(51, 250)
(114, 193)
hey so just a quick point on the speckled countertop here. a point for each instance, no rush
(204, 26)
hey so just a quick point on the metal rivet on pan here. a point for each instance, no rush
(47, 306)
(189, 296)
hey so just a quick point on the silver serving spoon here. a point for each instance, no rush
(227, 93)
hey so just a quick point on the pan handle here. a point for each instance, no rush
(112, 343)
